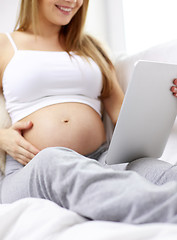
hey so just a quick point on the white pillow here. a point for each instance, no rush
(166, 52)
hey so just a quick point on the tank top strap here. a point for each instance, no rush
(11, 41)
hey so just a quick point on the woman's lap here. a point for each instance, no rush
(12, 165)
(156, 171)
(16, 174)
(85, 186)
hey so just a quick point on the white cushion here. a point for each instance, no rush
(166, 52)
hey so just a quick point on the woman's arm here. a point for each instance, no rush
(2, 51)
(11, 139)
(113, 103)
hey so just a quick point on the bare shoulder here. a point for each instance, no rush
(3, 41)
(18, 35)
(6, 53)
(3, 47)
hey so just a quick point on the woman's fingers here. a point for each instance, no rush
(30, 149)
(174, 88)
(22, 159)
(13, 142)
(175, 81)
(25, 156)
(20, 149)
(26, 152)
(19, 126)
(22, 155)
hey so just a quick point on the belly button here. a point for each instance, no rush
(65, 121)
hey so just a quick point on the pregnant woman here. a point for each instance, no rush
(56, 81)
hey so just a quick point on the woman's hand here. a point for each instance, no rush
(12, 142)
(174, 88)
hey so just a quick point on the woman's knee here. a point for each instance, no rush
(43, 167)
(46, 154)
(150, 168)
(142, 164)
(52, 156)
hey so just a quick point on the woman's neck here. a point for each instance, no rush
(45, 40)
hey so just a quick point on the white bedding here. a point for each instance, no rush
(38, 219)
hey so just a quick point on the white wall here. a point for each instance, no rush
(8, 9)
(96, 20)
(149, 22)
(105, 21)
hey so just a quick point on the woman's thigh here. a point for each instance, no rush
(84, 186)
(34, 179)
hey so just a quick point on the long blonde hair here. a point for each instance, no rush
(74, 37)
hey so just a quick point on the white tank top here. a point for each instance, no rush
(35, 79)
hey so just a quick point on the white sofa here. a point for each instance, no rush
(39, 219)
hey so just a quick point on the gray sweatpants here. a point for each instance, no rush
(85, 186)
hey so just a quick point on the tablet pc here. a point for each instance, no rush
(147, 114)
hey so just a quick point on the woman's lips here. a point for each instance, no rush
(65, 10)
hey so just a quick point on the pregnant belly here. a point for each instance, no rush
(72, 125)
